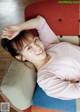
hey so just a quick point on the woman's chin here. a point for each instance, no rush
(42, 56)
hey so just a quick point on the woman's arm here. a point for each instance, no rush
(46, 35)
(12, 31)
(30, 24)
(57, 88)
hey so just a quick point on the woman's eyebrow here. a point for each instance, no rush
(35, 38)
(29, 43)
(25, 46)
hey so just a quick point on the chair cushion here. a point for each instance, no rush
(18, 84)
(40, 99)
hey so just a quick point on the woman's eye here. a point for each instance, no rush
(36, 40)
(28, 48)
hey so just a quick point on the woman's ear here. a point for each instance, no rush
(18, 57)
(21, 58)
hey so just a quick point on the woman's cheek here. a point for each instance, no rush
(40, 43)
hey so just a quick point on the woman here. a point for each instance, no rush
(58, 64)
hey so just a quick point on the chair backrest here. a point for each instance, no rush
(62, 18)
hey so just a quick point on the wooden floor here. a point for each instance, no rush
(11, 12)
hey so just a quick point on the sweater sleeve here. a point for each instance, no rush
(46, 35)
(57, 88)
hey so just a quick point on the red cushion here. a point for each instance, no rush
(27, 110)
(62, 18)
(40, 109)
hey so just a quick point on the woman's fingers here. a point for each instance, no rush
(6, 33)
(6, 29)
(7, 37)
(10, 32)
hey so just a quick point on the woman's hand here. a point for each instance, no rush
(10, 32)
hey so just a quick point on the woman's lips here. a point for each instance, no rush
(40, 52)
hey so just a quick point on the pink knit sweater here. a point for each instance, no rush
(60, 76)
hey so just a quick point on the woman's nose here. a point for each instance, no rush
(37, 48)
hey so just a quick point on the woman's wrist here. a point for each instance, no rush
(23, 26)
(20, 27)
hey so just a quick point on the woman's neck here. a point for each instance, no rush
(43, 62)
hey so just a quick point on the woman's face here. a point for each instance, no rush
(34, 50)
